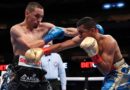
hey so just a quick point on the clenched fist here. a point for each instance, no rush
(34, 54)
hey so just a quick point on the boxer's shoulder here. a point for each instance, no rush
(16, 27)
(107, 38)
(46, 24)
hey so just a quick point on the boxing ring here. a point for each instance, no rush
(78, 79)
(83, 78)
(85, 81)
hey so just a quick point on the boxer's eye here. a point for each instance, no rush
(38, 16)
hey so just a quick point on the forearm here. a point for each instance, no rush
(63, 46)
(104, 67)
(71, 32)
(105, 62)
(36, 44)
(56, 47)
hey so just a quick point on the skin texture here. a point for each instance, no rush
(29, 33)
(108, 47)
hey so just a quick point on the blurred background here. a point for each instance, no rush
(113, 15)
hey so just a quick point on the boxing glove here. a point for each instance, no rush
(54, 33)
(89, 44)
(34, 54)
(100, 28)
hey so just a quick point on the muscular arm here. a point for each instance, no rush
(66, 44)
(107, 56)
(71, 32)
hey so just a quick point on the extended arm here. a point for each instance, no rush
(60, 32)
(66, 44)
(56, 47)
(71, 32)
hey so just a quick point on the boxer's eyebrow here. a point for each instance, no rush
(38, 16)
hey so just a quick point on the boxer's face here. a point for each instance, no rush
(83, 32)
(34, 18)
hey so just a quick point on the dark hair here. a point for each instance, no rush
(32, 5)
(88, 22)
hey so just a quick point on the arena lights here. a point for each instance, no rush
(120, 4)
(107, 6)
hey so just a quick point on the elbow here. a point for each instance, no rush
(107, 70)
(39, 44)
(35, 46)
(29, 45)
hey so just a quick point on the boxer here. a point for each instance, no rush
(32, 33)
(102, 49)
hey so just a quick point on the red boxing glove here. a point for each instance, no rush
(97, 59)
(46, 50)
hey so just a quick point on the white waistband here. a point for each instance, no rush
(119, 63)
(24, 62)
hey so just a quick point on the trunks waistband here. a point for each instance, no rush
(118, 64)
(22, 61)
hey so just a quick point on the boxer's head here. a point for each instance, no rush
(32, 5)
(33, 14)
(86, 26)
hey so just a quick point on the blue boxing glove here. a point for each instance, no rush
(100, 28)
(54, 33)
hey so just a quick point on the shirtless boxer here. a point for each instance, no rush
(32, 33)
(102, 49)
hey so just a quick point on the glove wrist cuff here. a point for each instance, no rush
(46, 51)
(97, 59)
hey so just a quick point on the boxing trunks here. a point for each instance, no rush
(27, 76)
(118, 76)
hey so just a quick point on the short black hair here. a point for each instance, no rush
(32, 5)
(88, 22)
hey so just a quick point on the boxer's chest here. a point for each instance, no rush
(100, 48)
(37, 34)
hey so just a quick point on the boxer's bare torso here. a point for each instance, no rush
(23, 38)
(108, 50)
(107, 42)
